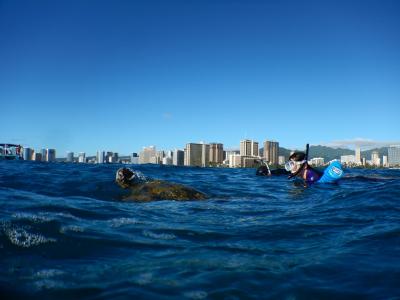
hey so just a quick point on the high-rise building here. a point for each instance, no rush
(33, 155)
(317, 161)
(394, 155)
(147, 155)
(101, 155)
(70, 157)
(158, 158)
(348, 159)
(271, 152)
(38, 156)
(235, 160)
(82, 157)
(385, 161)
(245, 147)
(194, 155)
(170, 154)
(205, 155)
(44, 154)
(358, 155)
(178, 158)
(375, 160)
(216, 153)
(108, 157)
(249, 148)
(167, 160)
(27, 154)
(51, 155)
(281, 159)
(134, 158)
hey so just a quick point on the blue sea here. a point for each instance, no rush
(66, 234)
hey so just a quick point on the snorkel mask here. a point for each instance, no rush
(291, 165)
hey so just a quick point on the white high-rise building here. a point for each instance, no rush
(27, 153)
(385, 161)
(394, 156)
(167, 161)
(147, 155)
(82, 157)
(134, 158)
(228, 154)
(317, 161)
(348, 159)
(235, 160)
(101, 156)
(375, 160)
(358, 155)
(70, 156)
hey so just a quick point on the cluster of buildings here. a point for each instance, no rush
(203, 154)
(194, 154)
(390, 160)
(213, 154)
(48, 155)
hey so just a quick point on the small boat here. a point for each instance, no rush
(10, 151)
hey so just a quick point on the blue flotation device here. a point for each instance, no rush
(332, 173)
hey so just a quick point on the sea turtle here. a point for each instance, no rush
(145, 189)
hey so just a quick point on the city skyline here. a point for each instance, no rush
(212, 155)
(85, 75)
(252, 148)
(354, 145)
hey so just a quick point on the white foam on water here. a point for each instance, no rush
(32, 217)
(118, 222)
(49, 273)
(22, 238)
(159, 236)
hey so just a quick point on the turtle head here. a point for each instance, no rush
(126, 177)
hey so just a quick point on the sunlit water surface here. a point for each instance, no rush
(65, 233)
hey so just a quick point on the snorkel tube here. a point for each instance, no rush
(303, 165)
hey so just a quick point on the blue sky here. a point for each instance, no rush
(119, 75)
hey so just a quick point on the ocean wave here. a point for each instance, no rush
(65, 233)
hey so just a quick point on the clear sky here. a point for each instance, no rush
(119, 75)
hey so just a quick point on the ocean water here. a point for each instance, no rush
(66, 234)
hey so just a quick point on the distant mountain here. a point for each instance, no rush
(329, 153)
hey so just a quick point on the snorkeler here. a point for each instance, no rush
(145, 189)
(264, 170)
(298, 167)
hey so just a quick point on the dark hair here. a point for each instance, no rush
(297, 156)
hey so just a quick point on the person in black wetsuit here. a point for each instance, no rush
(264, 170)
